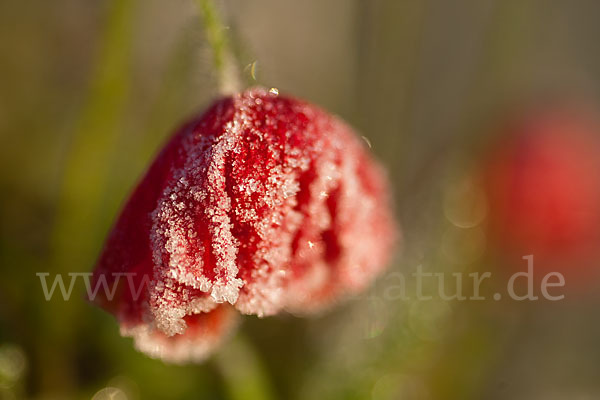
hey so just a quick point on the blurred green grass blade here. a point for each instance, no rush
(244, 374)
(87, 165)
(172, 101)
(76, 237)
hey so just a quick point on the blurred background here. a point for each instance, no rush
(449, 96)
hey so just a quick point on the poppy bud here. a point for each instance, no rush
(264, 202)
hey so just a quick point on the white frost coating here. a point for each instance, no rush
(359, 264)
(183, 348)
(226, 287)
(199, 187)
(200, 192)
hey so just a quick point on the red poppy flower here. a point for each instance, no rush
(542, 183)
(264, 202)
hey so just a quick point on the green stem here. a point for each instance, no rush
(228, 78)
(243, 371)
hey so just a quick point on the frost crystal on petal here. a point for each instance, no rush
(205, 331)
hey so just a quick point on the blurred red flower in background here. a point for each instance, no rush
(265, 203)
(542, 181)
